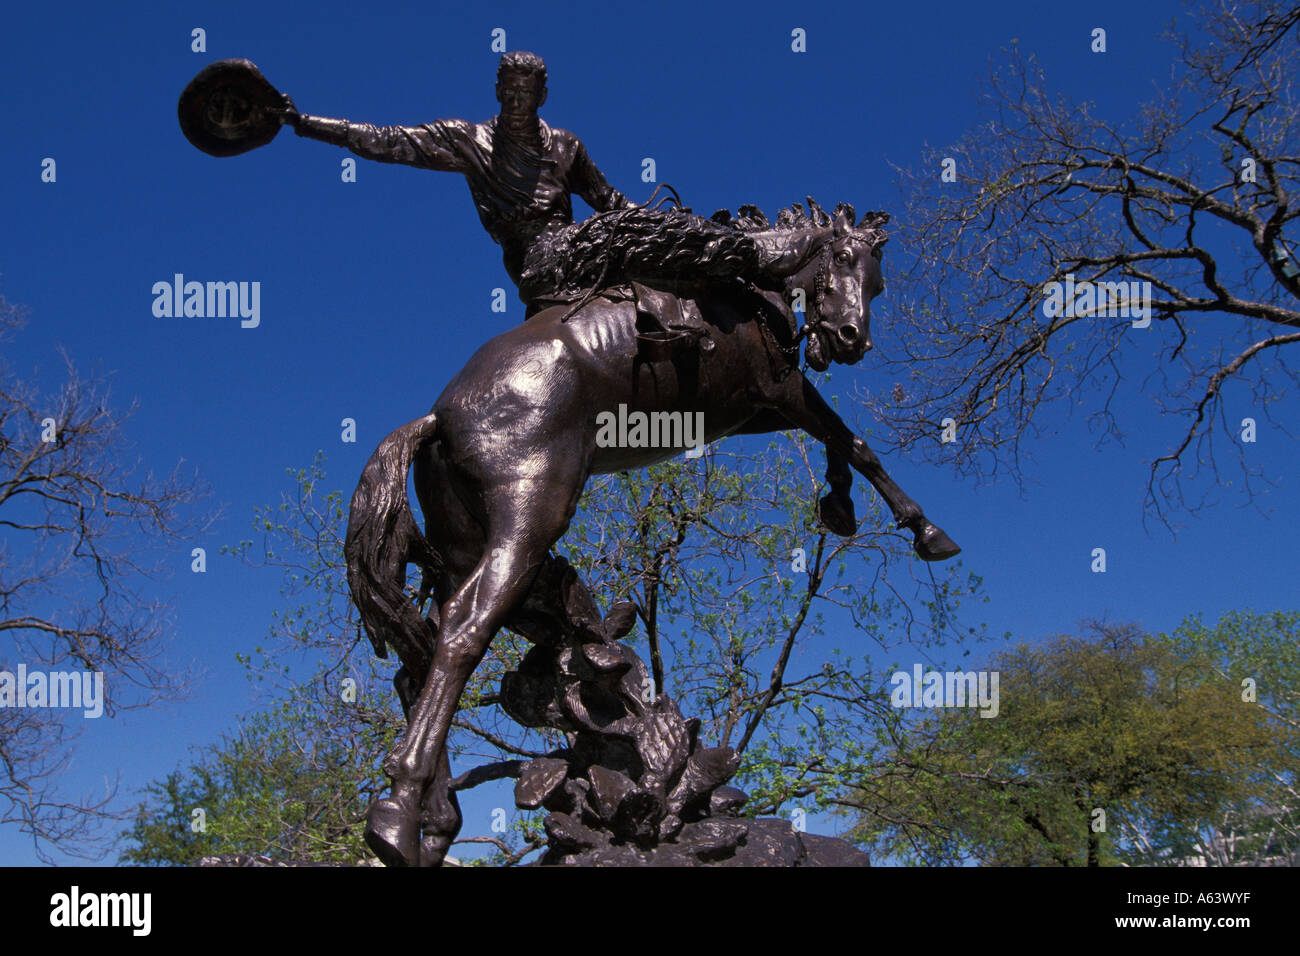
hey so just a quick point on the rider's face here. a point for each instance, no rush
(519, 97)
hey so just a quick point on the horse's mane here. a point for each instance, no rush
(574, 261)
(750, 218)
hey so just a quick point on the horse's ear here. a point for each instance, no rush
(843, 223)
(847, 209)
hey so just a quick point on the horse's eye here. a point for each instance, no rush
(842, 256)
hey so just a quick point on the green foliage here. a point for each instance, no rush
(287, 785)
(1259, 655)
(704, 550)
(1153, 732)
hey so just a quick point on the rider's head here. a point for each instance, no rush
(521, 85)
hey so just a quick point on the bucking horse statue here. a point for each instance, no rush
(503, 456)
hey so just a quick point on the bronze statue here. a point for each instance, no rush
(504, 455)
(651, 310)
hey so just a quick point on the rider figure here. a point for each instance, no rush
(521, 173)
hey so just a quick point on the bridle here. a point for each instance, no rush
(789, 353)
(824, 257)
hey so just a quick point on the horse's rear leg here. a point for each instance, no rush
(440, 810)
(525, 518)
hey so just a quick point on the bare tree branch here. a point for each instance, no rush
(1186, 203)
(85, 532)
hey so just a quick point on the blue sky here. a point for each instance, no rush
(394, 272)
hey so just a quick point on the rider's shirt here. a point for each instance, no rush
(520, 191)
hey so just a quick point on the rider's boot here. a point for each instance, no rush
(781, 255)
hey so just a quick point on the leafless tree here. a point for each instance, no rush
(85, 537)
(1192, 194)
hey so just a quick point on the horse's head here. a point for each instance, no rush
(841, 278)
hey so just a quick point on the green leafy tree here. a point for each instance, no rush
(1114, 747)
(1259, 653)
(284, 786)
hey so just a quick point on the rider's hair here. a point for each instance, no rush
(522, 63)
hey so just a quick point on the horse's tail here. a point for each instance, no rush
(382, 539)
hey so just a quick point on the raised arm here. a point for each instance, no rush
(435, 145)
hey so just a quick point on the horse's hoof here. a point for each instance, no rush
(440, 822)
(836, 513)
(393, 833)
(932, 544)
(433, 849)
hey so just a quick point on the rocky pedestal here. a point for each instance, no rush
(636, 786)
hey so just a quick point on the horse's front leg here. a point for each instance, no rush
(800, 403)
(836, 507)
